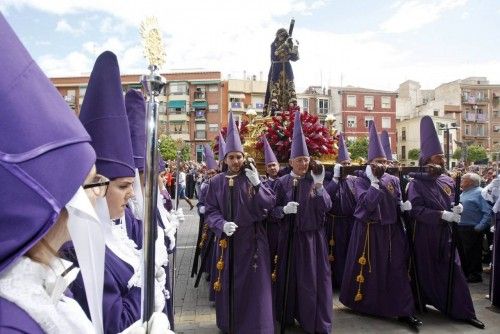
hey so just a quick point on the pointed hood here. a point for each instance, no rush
(222, 147)
(103, 115)
(209, 157)
(429, 140)
(269, 155)
(343, 153)
(299, 147)
(136, 114)
(233, 141)
(375, 149)
(386, 144)
(45, 153)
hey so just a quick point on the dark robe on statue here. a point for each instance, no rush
(310, 298)
(253, 304)
(379, 284)
(339, 223)
(429, 197)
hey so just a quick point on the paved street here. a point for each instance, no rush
(195, 314)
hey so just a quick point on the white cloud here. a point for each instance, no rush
(75, 63)
(411, 15)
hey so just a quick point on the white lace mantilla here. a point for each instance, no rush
(29, 285)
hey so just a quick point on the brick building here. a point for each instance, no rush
(357, 106)
(190, 106)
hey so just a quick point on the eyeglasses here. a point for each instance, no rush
(99, 185)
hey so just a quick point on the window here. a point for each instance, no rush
(213, 107)
(367, 120)
(178, 127)
(213, 88)
(351, 100)
(403, 133)
(467, 130)
(403, 152)
(351, 121)
(369, 102)
(200, 131)
(436, 112)
(386, 122)
(199, 93)
(178, 88)
(213, 127)
(305, 104)
(323, 106)
(386, 102)
(481, 130)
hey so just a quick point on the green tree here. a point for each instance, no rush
(474, 153)
(358, 148)
(414, 154)
(169, 147)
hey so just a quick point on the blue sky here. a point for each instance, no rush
(369, 43)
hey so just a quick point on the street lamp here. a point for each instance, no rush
(446, 128)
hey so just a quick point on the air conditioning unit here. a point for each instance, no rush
(369, 107)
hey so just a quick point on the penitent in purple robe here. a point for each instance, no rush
(339, 223)
(310, 298)
(253, 304)
(272, 227)
(429, 197)
(379, 285)
(13, 319)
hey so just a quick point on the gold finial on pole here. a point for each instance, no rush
(154, 50)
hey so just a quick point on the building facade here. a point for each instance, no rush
(190, 106)
(356, 107)
(469, 107)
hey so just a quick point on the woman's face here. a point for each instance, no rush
(120, 190)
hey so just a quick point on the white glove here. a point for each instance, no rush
(170, 234)
(157, 324)
(405, 206)
(492, 229)
(336, 170)
(252, 175)
(179, 214)
(160, 277)
(202, 209)
(458, 209)
(487, 194)
(318, 179)
(369, 174)
(290, 207)
(450, 216)
(229, 228)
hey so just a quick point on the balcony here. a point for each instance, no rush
(236, 106)
(471, 99)
(200, 115)
(472, 117)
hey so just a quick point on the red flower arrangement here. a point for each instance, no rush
(243, 132)
(279, 135)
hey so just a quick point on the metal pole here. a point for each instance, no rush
(288, 263)
(153, 84)
(447, 133)
(231, 260)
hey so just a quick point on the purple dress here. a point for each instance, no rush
(339, 223)
(310, 298)
(14, 320)
(376, 278)
(429, 197)
(252, 286)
